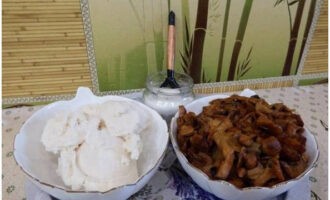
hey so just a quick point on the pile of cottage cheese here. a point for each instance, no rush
(98, 145)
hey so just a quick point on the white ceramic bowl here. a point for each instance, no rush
(226, 190)
(40, 166)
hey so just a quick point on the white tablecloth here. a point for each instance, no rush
(311, 102)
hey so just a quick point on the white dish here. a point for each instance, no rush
(40, 166)
(226, 190)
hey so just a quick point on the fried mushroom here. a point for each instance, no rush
(245, 141)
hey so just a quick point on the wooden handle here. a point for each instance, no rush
(170, 47)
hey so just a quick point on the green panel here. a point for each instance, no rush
(130, 38)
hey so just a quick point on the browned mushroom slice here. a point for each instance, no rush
(182, 142)
(225, 124)
(187, 119)
(288, 169)
(241, 172)
(255, 147)
(294, 170)
(297, 142)
(186, 130)
(251, 160)
(268, 125)
(226, 165)
(217, 157)
(232, 135)
(281, 122)
(255, 172)
(271, 146)
(245, 140)
(264, 177)
(280, 107)
(218, 125)
(203, 158)
(298, 119)
(196, 140)
(207, 163)
(276, 167)
(241, 157)
(263, 108)
(289, 154)
(182, 111)
(214, 123)
(237, 182)
(291, 129)
(204, 127)
(247, 120)
(227, 150)
(260, 176)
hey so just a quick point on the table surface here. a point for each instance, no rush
(311, 102)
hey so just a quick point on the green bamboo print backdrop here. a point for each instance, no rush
(216, 40)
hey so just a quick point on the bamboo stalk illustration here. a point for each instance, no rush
(158, 34)
(187, 49)
(185, 22)
(307, 28)
(293, 39)
(244, 66)
(223, 40)
(239, 38)
(198, 41)
(186, 42)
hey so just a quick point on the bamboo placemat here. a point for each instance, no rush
(317, 57)
(44, 48)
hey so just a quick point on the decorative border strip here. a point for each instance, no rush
(261, 80)
(90, 44)
(20, 100)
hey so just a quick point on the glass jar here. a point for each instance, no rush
(167, 100)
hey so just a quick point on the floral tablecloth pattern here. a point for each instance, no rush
(311, 102)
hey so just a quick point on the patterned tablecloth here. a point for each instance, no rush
(171, 182)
